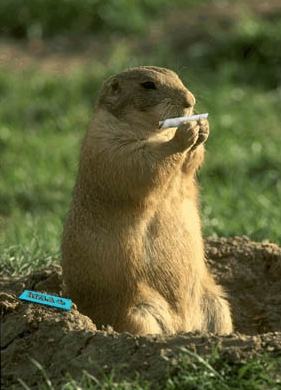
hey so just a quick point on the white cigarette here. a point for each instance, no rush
(175, 122)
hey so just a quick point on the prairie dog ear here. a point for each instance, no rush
(111, 93)
(114, 87)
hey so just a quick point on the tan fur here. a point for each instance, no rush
(132, 250)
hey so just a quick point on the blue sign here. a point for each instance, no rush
(46, 299)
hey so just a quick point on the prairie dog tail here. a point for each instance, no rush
(216, 311)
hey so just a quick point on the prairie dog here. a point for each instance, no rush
(132, 248)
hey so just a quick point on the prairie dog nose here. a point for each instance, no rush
(188, 99)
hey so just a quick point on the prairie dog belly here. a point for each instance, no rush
(173, 249)
(176, 226)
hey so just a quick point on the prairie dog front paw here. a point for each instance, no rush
(187, 135)
(203, 133)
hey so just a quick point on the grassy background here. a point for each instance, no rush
(230, 63)
(233, 71)
(43, 118)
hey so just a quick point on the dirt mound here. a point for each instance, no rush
(251, 274)
(63, 342)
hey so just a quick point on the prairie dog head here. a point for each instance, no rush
(143, 96)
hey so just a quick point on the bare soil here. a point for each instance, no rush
(68, 342)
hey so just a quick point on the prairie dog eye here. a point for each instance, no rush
(148, 85)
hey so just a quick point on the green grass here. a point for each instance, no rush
(43, 118)
(190, 372)
(45, 18)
